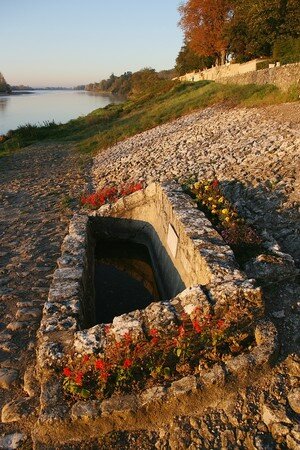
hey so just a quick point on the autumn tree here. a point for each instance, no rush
(204, 23)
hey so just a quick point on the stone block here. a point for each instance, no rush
(155, 394)
(120, 403)
(67, 274)
(8, 377)
(131, 323)
(90, 341)
(86, 410)
(191, 300)
(183, 386)
(160, 316)
(60, 291)
(274, 413)
(16, 410)
(294, 399)
(12, 441)
(213, 377)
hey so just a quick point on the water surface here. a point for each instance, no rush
(39, 106)
(124, 279)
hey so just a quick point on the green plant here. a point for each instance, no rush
(287, 50)
(241, 237)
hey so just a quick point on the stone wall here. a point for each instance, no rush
(282, 77)
(214, 285)
(227, 70)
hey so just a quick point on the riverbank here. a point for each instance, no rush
(106, 126)
(253, 152)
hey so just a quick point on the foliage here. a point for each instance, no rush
(4, 87)
(287, 50)
(245, 29)
(187, 60)
(242, 238)
(204, 23)
(256, 26)
(160, 356)
(109, 194)
(135, 85)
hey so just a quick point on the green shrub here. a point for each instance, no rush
(264, 64)
(287, 50)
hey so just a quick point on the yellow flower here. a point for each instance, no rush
(210, 199)
(214, 206)
(206, 188)
(225, 211)
(197, 185)
(221, 200)
(227, 219)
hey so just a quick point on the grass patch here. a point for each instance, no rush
(105, 127)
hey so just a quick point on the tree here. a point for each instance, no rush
(4, 87)
(204, 23)
(255, 26)
(187, 60)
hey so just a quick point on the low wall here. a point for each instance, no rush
(227, 70)
(282, 77)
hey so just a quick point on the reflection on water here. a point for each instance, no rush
(3, 103)
(124, 279)
(43, 106)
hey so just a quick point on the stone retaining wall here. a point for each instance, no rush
(282, 77)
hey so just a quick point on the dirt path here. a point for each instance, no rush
(37, 188)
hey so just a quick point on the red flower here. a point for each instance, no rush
(85, 358)
(153, 332)
(104, 376)
(215, 183)
(127, 363)
(220, 324)
(107, 329)
(127, 338)
(100, 364)
(196, 326)
(67, 372)
(78, 378)
(154, 341)
(181, 331)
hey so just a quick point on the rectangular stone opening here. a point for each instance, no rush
(130, 268)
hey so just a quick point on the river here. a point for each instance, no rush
(39, 106)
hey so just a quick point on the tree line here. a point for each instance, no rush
(240, 30)
(145, 82)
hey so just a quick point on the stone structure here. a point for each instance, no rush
(213, 283)
(215, 73)
(282, 77)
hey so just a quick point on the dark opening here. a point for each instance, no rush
(124, 278)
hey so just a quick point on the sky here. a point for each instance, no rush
(73, 42)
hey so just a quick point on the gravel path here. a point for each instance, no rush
(37, 186)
